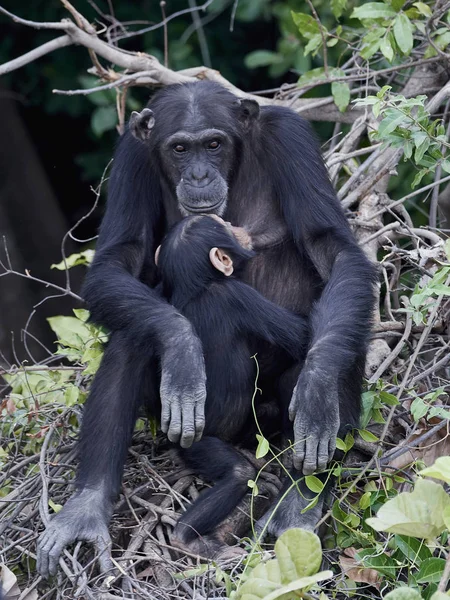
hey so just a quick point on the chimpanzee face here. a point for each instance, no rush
(197, 158)
(198, 164)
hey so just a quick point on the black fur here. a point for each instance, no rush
(229, 317)
(277, 187)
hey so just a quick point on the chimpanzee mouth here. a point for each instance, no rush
(199, 208)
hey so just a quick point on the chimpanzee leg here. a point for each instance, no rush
(221, 463)
(289, 512)
(106, 430)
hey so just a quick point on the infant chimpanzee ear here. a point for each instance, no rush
(221, 261)
(158, 250)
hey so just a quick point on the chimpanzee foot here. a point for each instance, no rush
(78, 520)
(208, 547)
(289, 514)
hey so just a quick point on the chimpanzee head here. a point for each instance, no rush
(199, 250)
(197, 132)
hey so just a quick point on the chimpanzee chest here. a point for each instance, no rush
(285, 276)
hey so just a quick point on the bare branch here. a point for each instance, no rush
(21, 61)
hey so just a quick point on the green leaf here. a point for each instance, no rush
(253, 486)
(419, 176)
(314, 43)
(418, 409)
(364, 501)
(299, 553)
(338, 7)
(439, 470)
(423, 8)
(446, 517)
(386, 48)
(263, 446)
(82, 314)
(314, 483)
(389, 399)
(393, 119)
(373, 10)
(71, 395)
(82, 258)
(261, 58)
(103, 119)
(56, 508)
(414, 550)
(367, 436)
(312, 76)
(403, 593)
(341, 94)
(307, 25)
(415, 514)
(446, 165)
(439, 596)
(70, 331)
(430, 570)
(340, 445)
(263, 579)
(403, 30)
(299, 584)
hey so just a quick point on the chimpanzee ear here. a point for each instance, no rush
(141, 124)
(249, 111)
(158, 250)
(221, 261)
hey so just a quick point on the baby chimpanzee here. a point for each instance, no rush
(198, 261)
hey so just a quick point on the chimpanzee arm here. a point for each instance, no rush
(264, 319)
(117, 299)
(340, 320)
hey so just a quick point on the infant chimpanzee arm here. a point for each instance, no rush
(260, 317)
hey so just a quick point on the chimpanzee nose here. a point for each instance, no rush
(199, 175)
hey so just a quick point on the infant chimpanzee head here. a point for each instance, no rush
(200, 249)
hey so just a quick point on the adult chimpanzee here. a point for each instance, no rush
(198, 263)
(199, 149)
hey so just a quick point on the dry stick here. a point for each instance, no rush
(445, 575)
(21, 61)
(425, 188)
(396, 452)
(395, 352)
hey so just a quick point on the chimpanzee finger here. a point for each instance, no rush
(174, 430)
(165, 415)
(103, 546)
(310, 462)
(188, 428)
(331, 448)
(42, 555)
(199, 420)
(299, 452)
(54, 555)
(322, 455)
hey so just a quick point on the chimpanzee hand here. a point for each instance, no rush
(314, 408)
(183, 389)
(82, 518)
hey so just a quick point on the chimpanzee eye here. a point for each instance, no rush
(213, 145)
(179, 148)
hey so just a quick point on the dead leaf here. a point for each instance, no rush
(434, 447)
(10, 588)
(355, 572)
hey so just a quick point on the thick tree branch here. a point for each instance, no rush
(33, 55)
